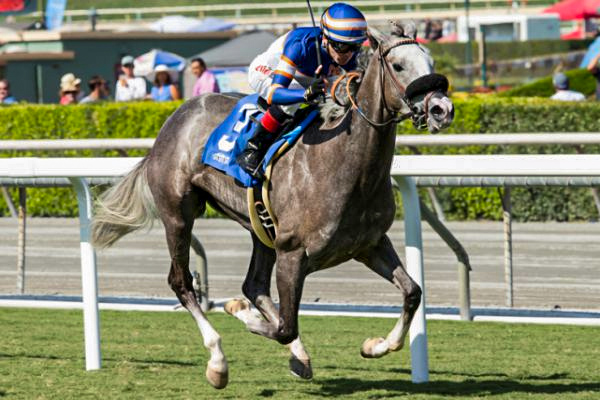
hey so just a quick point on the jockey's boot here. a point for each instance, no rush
(252, 156)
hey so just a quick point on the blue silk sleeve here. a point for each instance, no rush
(283, 95)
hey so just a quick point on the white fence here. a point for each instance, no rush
(281, 12)
(77, 169)
(403, 168)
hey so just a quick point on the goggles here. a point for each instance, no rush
(342, 48)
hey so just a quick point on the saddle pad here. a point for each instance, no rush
(229, 139)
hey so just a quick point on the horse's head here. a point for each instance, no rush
(408, 83)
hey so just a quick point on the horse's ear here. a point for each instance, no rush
(406, 28)
(376, 38)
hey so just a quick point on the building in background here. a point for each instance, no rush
(509, 27)
(33, 61)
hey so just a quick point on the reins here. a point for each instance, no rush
(384, 64)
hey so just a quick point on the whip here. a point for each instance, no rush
(312, 18)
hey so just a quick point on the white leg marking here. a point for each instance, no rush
(216, 369)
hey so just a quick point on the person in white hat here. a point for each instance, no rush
(129, 87)
(69, 89)
(164, 88)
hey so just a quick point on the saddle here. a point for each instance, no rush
(229, 139)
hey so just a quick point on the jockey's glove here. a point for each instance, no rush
(315, 90)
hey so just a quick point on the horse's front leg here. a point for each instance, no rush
(257, 288)
(383, 260)
(290, 275)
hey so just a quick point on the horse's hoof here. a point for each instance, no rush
(374, 348)
(300, 368)
(217, 379)
(235, 305)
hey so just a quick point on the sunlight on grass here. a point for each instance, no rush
(160, 356)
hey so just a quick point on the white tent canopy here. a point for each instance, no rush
(239, 51)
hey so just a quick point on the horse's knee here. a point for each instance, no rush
(413, 298)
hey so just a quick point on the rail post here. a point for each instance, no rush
(508, 259)
(21, 240)
(414, 266)
(89, 279)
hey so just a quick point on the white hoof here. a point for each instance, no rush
(234, 306)
(217, 379)
(374, 348)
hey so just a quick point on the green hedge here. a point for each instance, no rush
(485, 114)
(580, 80)
(489, 114)
(109, 120)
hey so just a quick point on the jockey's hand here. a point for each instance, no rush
(315, 90)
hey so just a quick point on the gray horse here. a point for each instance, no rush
(331, 195)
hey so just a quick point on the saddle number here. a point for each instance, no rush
(247, 110)
(227, 142)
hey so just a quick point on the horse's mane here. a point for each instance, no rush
(330, 111)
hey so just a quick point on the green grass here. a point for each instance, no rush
(160, 356)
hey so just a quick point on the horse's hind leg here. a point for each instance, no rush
(257, 288)
(383, 260)
(178, 216)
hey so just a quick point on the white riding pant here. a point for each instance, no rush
(260, 77)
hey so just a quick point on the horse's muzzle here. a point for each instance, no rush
(440, 112)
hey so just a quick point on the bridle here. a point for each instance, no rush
(420, 121)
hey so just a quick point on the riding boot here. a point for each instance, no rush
(252, 156)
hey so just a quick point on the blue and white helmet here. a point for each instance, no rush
(344, 23)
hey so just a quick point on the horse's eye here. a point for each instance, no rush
(398, 67)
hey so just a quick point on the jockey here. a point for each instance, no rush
(287, 74)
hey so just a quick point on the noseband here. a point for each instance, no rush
(426, 84)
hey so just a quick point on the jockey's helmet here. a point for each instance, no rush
(344, 23)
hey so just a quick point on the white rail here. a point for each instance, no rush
(33, 167)
(76, 144)
(78, 169)
(470, 139)
(548, 165)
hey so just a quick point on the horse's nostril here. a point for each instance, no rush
(436, 111)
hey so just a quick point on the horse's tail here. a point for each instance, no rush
(124, 208)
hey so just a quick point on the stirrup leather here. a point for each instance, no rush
(264, 223)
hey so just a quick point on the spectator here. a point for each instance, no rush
(436, 31)
(129, 87)
(98, 91)
(80, 93)
(164, 88)
(69, 89)
(561, 84)
(5, 97)
(428, 25)
(595, 70)
(206, 81)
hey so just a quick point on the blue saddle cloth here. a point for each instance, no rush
(229, 139)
